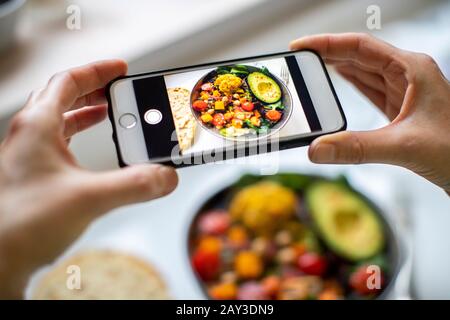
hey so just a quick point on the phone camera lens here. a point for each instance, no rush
(153, 116)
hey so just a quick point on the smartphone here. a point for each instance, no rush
(222, 110)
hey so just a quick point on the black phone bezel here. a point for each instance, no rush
(294, 143)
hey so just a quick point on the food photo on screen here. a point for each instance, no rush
(240, 102)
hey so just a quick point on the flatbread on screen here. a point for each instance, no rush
(185, 122)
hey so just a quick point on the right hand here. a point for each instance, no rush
(408, 88)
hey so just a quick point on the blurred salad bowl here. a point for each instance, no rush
(293, 237)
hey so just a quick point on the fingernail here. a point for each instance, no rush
(168, 177)
(291, 44)
(323, 153)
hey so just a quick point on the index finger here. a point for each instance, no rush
(66, 87)
(356, 47)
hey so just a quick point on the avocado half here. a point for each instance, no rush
(346, 223)
(263, 87)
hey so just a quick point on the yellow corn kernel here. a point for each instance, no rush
(237, 123)
(219, 105)
(248, 265)
(255, 121)
(206, 117)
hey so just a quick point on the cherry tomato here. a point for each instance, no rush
(200, 105)
(312, 263)
(218, 120)
(207, 86)
(248, 106)
(358, 281)
(206, 264)
(271, 285)
(273, 115)
(215, 222)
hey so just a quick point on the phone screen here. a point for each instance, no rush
(217, 108)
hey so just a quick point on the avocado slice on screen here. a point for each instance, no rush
(263, 87)
(346, 223)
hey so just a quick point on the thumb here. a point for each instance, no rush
(378, 146)
(132, 184)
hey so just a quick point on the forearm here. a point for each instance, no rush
(12, 280)
(14, 270)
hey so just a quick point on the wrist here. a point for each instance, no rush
(11, 286)
(13, 279)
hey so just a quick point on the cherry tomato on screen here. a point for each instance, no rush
(200, 105)
(273, 115)
(248, 106)
(207, 86)
(218, 120)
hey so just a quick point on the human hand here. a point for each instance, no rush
(46, 200)
(408, 88)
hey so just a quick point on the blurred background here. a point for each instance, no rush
(37, 40)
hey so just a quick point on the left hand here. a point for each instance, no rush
(46, 199)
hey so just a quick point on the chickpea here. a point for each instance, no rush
(283, 238)
(236, 96)
(225, 99)
(229, 277)
(286, 255)
(210, 111)
(236, 103)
